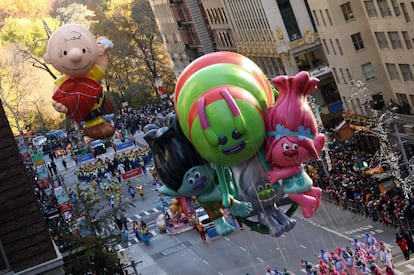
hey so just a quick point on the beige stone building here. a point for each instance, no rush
(370, 41)
(280, 36)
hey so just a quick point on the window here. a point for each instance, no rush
(326, 46)
(348, 73)
(335, 74)
(407, 40)
(370, 8)
(289, 19)
(345, 100)
(395, 40)
(323, 18)
(342, 74)
(357, 41)
(405, 12)
(381, 40)
(396, 8)
(406, 72)
(392, 71)
(347, 11)
(339, 47)
(368, 71)
(384, 8)
(316, 17)
(329, 17)
(332, 46)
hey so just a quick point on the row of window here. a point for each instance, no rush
(404, 71)
(393, 37)
(395, 40)
(223, 39)
(372, 7)
(384, 9)
(217, 16)
(395, 72)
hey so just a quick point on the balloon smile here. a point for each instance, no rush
(234, 149)
(77, 69)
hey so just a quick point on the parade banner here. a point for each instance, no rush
(42, 172)
(37, 156)
(65, 207)
(61, 195)
(85, 158)
(132, 173)
(44, 183)
(124, 145)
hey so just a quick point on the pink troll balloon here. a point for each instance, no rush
(292, 138)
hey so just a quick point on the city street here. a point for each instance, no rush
(242, 251)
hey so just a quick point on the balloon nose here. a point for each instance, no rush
(75, 54)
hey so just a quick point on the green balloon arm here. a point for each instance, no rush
(292, 209)
(266, 165)
(225, 195)
(254, 226)
(262, 158)
(231, 185)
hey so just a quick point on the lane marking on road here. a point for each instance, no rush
(336, 233)
(129, 219)
(410, 266)
(259, 259)
(146, 213)
(227, 239)
(156, 210)
(242, 248)
(206, 262)
(301, 245)
(138, 216)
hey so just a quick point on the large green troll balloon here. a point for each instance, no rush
(220, 100)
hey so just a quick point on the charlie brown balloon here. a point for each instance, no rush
(83, 60)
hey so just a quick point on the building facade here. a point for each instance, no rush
(25, 244)
(278, 35)
(369, 47)
(370, 41)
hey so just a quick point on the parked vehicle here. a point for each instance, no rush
(97, 147)
(202, 217)
(39, 141)
(56, 134)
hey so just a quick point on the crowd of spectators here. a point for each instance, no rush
(136, 119)
(349, 186)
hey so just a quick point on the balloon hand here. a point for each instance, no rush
(59, 107)
(241, 208)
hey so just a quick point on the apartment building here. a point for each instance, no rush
(370, 41)
(369, 47)
(278, 35)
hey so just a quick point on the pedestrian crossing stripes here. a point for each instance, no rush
(147, 215)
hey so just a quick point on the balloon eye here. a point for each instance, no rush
(295, 146)
(65, 53)
(222, 140)
(236, 134)
(84, 50)
(191, 180)
(285, 146)
(260, 188)
(197, 175)
(268, 185)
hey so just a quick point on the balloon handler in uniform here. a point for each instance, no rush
(82, 59)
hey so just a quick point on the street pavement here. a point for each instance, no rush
(242, 251)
